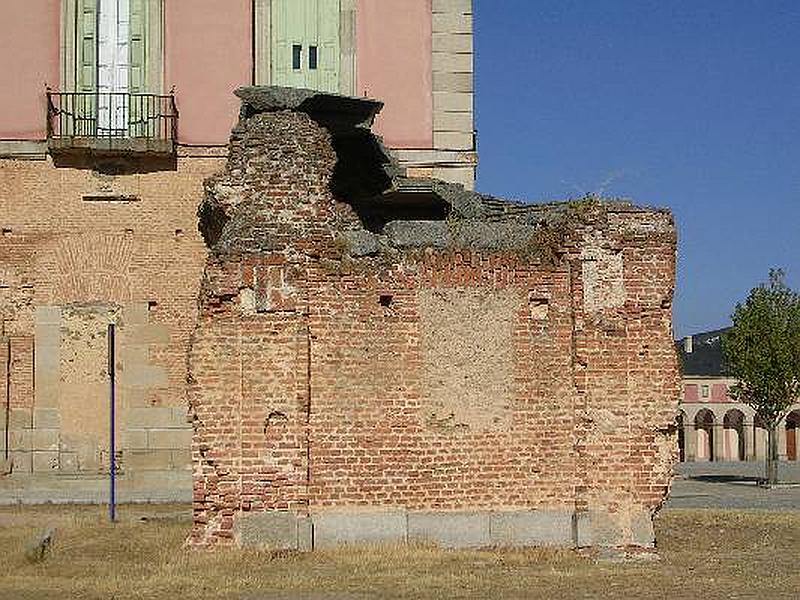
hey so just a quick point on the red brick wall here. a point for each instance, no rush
(316, 381)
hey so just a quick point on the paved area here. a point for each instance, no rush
(734, 485)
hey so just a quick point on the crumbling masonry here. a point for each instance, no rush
(385, 359)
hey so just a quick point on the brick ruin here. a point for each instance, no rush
(379, 358)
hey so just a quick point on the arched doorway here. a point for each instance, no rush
(733, 432)
(792, 425)
(704, 429)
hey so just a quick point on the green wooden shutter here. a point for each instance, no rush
(138, 47)
(84, 108)
(137, 73)
(305, 23)
(86, 76)
(329, 52)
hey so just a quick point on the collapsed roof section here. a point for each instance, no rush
(394, 211)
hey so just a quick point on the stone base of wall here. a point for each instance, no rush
(283, 530)
(153, 486)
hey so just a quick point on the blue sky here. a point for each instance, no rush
(693, 105)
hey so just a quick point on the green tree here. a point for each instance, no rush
(762, 351)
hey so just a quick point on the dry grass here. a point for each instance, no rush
(704, 554)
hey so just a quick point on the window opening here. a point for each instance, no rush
(297, 52)
(312, 58)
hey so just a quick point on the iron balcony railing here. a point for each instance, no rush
(117, 121)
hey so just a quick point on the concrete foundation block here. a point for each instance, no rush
(450, 529)
(179, 417)
(20, 418)
(532, 528)
(169, 439)
(181, 459)
(157, 486)
(44, 462)
(21, 463)
(604, 529)
(68, 462)
(46, 439)
(269, 530)
(47, 418)
(134, 439)
(335, 527)
(148, 460)
(20, 440)
(305, 534)
(143, 376)
(48, 315)
(151, 417)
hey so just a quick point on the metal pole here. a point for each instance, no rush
(112, 503)
(8, 396)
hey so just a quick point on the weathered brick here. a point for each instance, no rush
(459, 377)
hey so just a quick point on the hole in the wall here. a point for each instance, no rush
(539, 307)
(111, 198)
(6, 231)
(152, 305)
(385, 300)
(129, 232)
(179, 233)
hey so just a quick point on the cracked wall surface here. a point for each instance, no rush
(409, 360)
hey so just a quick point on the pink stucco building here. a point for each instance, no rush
(112, 115)
(414, 55)
(713, 426)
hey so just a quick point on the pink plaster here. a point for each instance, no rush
(29, 35)
(394, 39)
(691, 392)
(208, 46)
(719, 393)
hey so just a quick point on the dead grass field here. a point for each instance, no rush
(704, 554)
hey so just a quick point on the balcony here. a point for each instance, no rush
(111, 123)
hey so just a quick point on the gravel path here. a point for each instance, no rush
(734, 485)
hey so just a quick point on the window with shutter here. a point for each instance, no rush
(112, 47)
(305, 44)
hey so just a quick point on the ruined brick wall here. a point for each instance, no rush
(509, 380)
(82, 247)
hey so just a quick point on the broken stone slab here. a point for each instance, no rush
(333, 111)
(38, 549)
(360, 242)
(417, 234)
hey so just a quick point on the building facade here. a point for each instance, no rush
(118, 112)
(713, 426)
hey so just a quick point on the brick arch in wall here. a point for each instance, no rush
(89, 267)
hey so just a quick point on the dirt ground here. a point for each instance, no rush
(702, 554)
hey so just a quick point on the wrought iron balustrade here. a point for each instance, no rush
(112, 121)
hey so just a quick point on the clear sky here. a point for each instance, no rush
(689, 104)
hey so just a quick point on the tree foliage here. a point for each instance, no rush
(762, 352)
(762, 349)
